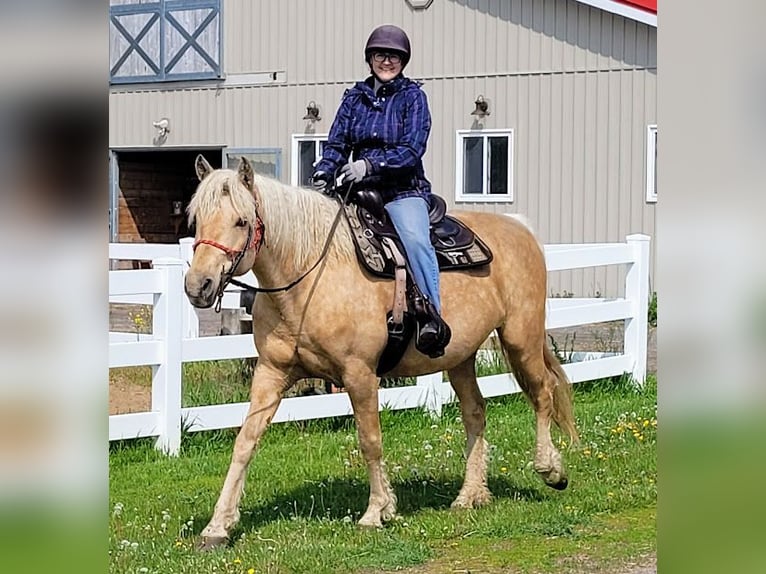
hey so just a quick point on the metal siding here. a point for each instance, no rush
(555, 71)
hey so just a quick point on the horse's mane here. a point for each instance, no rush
(297, 220)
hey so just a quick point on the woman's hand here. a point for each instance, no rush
(354, 171)
(320, 181)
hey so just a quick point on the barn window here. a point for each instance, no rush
(164, 40)
(266, 161)
(484, 165)
(306, 151)
(651, 164)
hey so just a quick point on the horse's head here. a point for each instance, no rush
(229, 230)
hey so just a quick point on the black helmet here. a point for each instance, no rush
(388, 37)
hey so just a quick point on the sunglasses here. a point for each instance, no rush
(381, 57)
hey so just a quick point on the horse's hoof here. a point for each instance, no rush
(208, 543)
(461, 503)
(479, 498)
(554, 478)
(370, 522)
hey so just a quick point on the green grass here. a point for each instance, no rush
(307, 486)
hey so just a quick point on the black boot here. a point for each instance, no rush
(433, 336)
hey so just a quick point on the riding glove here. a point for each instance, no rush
(354, 171)
(319, 181)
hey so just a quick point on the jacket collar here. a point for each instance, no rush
(395, 85)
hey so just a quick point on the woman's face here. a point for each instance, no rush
(386, 65)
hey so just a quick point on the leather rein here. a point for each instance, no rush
(255, 240)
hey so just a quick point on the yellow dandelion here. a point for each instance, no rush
(237, 561)
(503, 469)
(646, 423)
(251, 571)
(179, 543)
(586, 452)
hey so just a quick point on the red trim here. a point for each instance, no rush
(646, 5)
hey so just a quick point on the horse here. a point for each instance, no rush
(332, 325)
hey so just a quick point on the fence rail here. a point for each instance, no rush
(168, 347)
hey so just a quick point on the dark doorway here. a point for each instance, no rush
(154, 188)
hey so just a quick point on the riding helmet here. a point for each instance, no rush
(388, 37)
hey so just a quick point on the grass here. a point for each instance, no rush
(307, 486)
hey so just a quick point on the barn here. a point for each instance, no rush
(541, 107)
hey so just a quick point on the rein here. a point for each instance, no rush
(256, 240)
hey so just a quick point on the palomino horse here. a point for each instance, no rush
(332, 325)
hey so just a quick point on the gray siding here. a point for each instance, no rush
(576, 84)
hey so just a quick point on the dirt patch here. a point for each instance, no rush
(130, 390)
(577, 565)
(601, 338)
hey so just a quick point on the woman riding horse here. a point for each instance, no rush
(385, 122)
(332, 325)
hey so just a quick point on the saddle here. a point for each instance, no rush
(456, 245)
(380, 251)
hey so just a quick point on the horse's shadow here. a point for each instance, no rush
(347, 498)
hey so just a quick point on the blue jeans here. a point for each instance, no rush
(410, 218)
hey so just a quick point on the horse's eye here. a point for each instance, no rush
(241, 222)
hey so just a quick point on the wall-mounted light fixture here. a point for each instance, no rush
(482, 107)
(163, 127)
(312, 112)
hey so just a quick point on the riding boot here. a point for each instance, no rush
(433, 337)
(434, 334)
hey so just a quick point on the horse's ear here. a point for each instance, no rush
(202, 167)
(245, 172)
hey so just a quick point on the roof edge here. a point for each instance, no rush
(625, 10)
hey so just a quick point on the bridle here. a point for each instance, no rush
(254, 240)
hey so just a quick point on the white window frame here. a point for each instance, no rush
(485, 197)
(294, 154)
(651, 164)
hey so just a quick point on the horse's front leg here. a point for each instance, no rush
(362, 386)
(265, 395)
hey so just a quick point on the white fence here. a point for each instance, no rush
(175, 340)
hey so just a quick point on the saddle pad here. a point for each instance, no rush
(376, 259)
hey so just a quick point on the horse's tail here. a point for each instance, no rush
(563, 413)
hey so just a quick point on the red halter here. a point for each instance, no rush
(255, 240)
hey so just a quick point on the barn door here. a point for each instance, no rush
(164, 40)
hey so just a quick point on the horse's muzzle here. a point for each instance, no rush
(201, 291)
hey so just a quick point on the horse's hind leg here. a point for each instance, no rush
(474, 491)
(265, 396)
(362, 387)
(544, 382)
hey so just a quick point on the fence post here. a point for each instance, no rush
(430, 383)
(190, 323)
(637, 291)
(166, 377)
